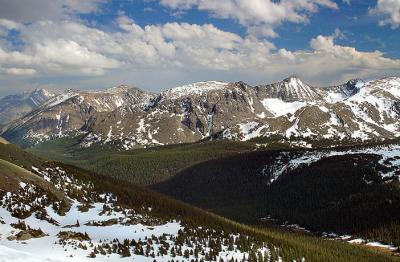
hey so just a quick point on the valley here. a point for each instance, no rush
(82, 215)
(325, 190)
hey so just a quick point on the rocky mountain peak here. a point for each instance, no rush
(13, 107)
(356, 82)
(42, 92)
(353, 86)
(39, 96)
(120, 89)
(197, 88)
(290, 108)
(293, 89)
(292, 79)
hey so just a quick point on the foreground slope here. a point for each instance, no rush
(96, 218)
(290, 109)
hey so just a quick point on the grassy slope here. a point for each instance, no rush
(140, 166)
(11, 175)
(16, 155)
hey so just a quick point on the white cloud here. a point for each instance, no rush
(389, 10)
(160, 56)
(51, 53)
(328, 60)
(20, 71)
(259, 16)
(285, 54)
(29, 10)
(9, 24)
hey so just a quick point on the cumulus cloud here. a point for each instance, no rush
(389, 10)
(88, 56)
(259, 16)
(50, 54)
(332, 61)
(59, 48)
(7, 25)
(28, 10)
(180, 50)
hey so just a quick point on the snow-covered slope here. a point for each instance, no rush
(389, 158)
(198, 88)
(290, 109)
(54, 215)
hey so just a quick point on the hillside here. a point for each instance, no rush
(18, 156)
(106, 220)
(139, 166)
(246, 181)
(321, 190)
(127, 117)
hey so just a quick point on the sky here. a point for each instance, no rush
(159, 44)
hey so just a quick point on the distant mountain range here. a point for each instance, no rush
(289, 110)
(13, 107)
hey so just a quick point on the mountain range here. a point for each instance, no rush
(13, 107)
(289, 110)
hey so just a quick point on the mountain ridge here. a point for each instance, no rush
(13, 107)
(130, 117)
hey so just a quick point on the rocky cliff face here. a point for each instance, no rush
(129, 117)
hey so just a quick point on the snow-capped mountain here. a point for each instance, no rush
(292, 89)
(13, 107)
(289, 109)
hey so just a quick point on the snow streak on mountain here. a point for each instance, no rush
(292, 110)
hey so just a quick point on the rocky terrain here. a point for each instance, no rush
(290, 109)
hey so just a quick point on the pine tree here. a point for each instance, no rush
(125, 251)
(186, 254)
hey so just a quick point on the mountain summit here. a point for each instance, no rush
(129, 117)
(293, 89)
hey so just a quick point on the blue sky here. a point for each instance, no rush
(361, 29)
(155, 45)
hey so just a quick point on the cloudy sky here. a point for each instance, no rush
(157, 44)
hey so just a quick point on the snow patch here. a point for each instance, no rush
(279, 107)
